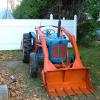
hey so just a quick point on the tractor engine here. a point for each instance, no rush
(57, 49)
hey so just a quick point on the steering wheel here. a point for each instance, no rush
(49, 31)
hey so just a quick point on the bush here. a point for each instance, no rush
(86, 33)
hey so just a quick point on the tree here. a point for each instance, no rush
(43, 8)
(86, 30)
(68, 8)
(93, 7)
(30, 9)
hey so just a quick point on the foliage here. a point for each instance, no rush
(86, 33)
(30, 9)
(86, 30)
(93, 7)
(41, 8)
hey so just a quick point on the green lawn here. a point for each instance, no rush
(90, 58)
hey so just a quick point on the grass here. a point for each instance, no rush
(10, 55)
(90, 58)
(14, 72)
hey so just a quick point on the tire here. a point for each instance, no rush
(26, 47)
(33, 65)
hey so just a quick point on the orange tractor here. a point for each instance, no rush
(62, 74)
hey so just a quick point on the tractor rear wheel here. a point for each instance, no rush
(26, 47)
(33, 65)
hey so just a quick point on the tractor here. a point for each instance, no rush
(62, 74)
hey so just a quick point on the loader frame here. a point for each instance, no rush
(69, 79)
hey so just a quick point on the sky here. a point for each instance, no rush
(3, 4)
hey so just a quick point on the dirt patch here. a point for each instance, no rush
(23, 87)
(26, 88)
(10, 55)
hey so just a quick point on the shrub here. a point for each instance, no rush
(86, 33)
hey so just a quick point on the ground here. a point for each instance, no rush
(33, 88)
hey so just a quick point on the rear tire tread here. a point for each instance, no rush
(27, 47)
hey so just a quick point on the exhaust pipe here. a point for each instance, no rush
(59, 27)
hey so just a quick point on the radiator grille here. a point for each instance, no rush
(62, 51)
(55, 51)
(59, 51)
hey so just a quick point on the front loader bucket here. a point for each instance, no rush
(68, 82)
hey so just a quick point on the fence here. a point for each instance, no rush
(11, 30)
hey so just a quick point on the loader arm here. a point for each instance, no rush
(72, 39)
(45, 51)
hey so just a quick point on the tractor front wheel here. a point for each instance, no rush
(33, 65)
